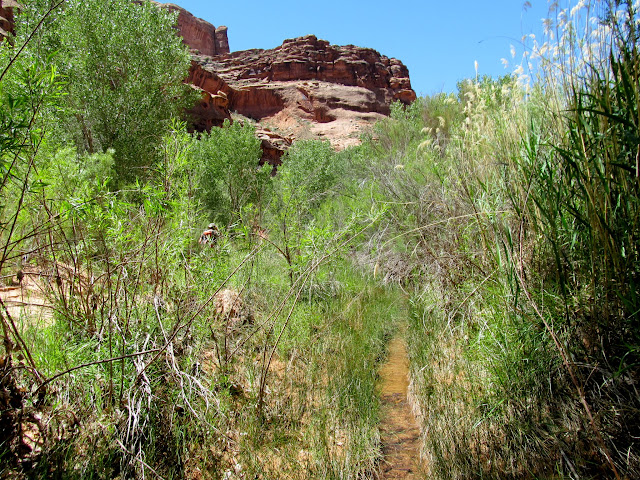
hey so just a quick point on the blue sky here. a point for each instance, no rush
(439, 40)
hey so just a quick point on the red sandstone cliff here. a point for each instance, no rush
(305, 88)
(200, 35)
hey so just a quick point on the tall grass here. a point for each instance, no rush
(516, 224)
(322, 412)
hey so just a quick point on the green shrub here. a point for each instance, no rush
(124, 67)
(228, 172)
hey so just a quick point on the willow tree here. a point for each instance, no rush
(125, 65)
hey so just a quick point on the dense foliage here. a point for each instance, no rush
(495, 228)
(231, 180)
(123, 67)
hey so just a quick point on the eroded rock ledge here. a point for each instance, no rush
(305, 88)
(202, 37)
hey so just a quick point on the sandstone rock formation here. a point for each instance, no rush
(232, 309)
(273, 146)
(7, 20)
(200, 35)
(305, 88)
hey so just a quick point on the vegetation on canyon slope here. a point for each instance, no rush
(499, 222)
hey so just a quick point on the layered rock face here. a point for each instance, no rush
(305, 88)
(200, 35)
(308, 58)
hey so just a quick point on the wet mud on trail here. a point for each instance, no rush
(399, 431)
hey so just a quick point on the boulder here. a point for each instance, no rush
(274, 146)
(231, 308)
(8, 9)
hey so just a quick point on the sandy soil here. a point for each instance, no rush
(399, 430)
(27, 301)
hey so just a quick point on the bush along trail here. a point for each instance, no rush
(480, 246)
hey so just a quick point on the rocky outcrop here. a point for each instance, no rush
(274, 145)
(202, 37)
(211, 111)
(305, 87)
(7, 18)
(309, 59)
(222, 40)
(231, 309)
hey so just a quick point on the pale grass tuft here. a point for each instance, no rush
(579, 6)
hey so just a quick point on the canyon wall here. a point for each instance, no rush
(305, 88)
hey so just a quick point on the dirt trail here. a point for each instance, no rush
(399, 430)
(27, 300)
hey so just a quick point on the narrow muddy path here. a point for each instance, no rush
(400, 435)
